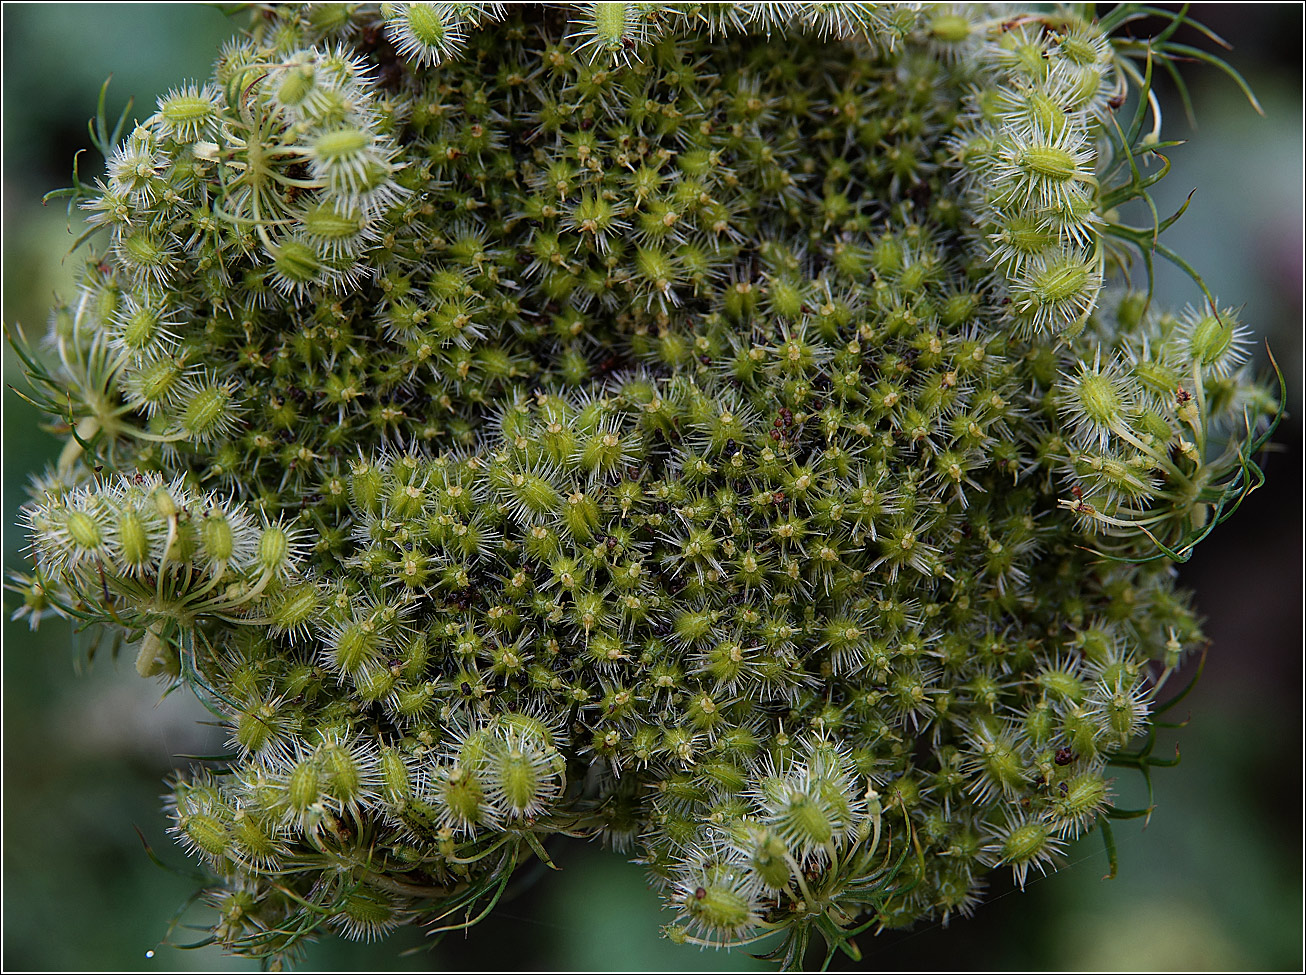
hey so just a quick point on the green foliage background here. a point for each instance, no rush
(1213, 883)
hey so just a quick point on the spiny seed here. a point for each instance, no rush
(83, 530)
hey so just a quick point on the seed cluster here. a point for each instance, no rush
(702, 428)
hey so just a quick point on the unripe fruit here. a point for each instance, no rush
(207, 833)
(718, 908)
(303, 786)
(769, 861)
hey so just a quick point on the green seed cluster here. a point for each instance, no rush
(702, 428)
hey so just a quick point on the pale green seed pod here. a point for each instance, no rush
(136, 547)
(998, 761)
(296, 88)
(296, 266)
(367, 914)
(768, 858)
(260, 726)
(277, 550)
(294, 608)
(304, 787)
(529, 495)
(1083, 728)
(477, 748)
(355, 645)
(413, 702)
(717, 901)
(256, 842)
(83, 530)
(406, 500)
(1048, 162)
(720, 908)
(609, 30)
(1028, 844)
(366, 484)
(349, 771)
(1055, 291)
(1215, 344)
(217, 537)
(140, 329)
(460, 794)
(427, 33)
(580, 514)
(396, 779)
(1077, 805)
(147, 254)
(523, 774)
(206, 833)
(165, 502)
(341, 231)
(190, 113)
(1123, 705)
(1098, 400)
(373, 683)
(806, 820)
(207, 410)
(515, 780)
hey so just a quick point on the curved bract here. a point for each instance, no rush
(719, 430)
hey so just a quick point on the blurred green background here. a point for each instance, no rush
(1214, 882)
